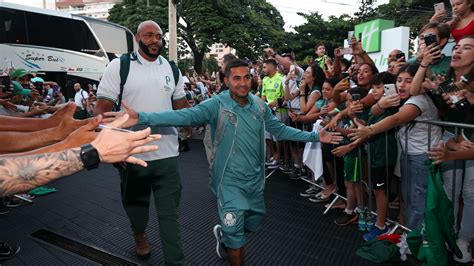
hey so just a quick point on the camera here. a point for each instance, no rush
(430, 38)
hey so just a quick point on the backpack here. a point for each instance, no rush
(125, 69)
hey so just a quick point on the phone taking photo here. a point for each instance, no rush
(439, 7)
(430, 38)
(347, 50)
(390, 89)
(355, 97)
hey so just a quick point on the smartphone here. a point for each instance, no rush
(350, 35)
(447, 86)
(430, 38)
(439, 7)
(390, 89)
(360, 36)
(347, 50)
(355, 97)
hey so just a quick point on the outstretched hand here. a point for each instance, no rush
(116, 146)
(329, 137)
(110, 117)
(360, 133)
(439, 154)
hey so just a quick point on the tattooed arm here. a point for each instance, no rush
(22, 173)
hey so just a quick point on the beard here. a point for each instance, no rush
(145, 50)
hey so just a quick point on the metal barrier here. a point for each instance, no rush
(368, 185)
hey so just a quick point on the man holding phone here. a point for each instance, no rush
(432, 38)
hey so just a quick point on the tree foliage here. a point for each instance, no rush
(245, 25)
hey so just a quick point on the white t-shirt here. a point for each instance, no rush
(418, 133)
(80, 96)
(294, 88)
(150, 87)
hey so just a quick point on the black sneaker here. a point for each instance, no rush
(6, 252)
(220, 247)
(345, 219)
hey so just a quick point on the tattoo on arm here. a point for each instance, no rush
(23, 173)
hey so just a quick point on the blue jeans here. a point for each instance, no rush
(414, 185)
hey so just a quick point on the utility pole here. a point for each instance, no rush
(173, 49)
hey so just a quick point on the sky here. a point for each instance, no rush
(287, 8)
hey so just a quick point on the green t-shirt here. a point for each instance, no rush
(272, 88)
(378, 148)
(440, 68)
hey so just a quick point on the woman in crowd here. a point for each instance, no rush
(463, 18)
(310, 87)
(413, 141)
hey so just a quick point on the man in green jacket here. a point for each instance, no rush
(238, 122)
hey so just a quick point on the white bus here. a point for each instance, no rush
(59, 46)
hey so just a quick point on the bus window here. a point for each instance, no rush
(63, 33)
(12, 26)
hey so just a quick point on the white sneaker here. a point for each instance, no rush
(220, 248)
(273, 164)
(465, 248)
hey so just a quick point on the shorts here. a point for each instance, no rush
(352, 169)
(380, 178)
(239, 212)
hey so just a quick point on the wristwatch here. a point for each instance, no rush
(89, 157)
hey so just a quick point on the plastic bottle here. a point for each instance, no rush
(369, 220)
(362, 221)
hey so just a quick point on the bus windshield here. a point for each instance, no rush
(24, 27)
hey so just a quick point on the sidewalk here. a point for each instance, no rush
(87, 208)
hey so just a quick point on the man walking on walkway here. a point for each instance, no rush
(238, 122)
(152, 85)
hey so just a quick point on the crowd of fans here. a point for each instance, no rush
(379, 113)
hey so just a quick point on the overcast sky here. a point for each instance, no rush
(287, 8)
(290, 8)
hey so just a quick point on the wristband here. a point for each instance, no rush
(337, 110)
(422, 66)
(302, 95)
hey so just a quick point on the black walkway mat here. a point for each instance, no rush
(80, 249)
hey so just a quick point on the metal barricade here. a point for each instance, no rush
(395, 224)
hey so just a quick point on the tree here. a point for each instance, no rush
(331, 32)
(246, 25)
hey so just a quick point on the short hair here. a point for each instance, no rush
(291, 56)
(271, 62)
(234, 63)
(228, 57)
(319, 44)
(444, 31)
(383, 78)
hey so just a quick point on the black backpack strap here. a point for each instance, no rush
(124, 69)
(175, 71)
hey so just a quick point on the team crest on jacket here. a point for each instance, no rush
(229, 219)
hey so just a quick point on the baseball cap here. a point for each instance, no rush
(37, 80)
(19, 73)
(19, 90)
